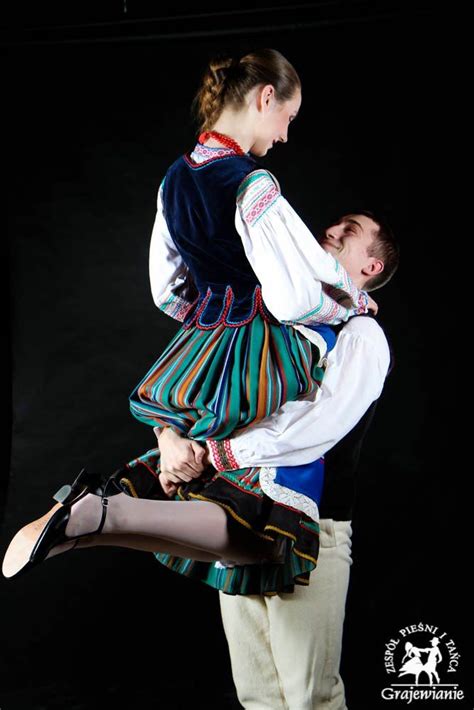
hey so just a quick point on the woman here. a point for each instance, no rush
(233, 262)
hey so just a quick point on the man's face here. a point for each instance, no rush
(348, 241)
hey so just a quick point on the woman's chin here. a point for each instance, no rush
(259, 152)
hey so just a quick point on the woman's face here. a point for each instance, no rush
(274, 119)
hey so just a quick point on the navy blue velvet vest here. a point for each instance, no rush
(199, 208)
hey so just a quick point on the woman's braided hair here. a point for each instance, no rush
(227, 81)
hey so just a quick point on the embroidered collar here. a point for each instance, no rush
(204, 154)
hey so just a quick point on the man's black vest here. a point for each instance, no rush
(341, 462)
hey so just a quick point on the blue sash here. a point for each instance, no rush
(307, 478)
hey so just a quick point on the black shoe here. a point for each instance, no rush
(84, 482)
(54, 531)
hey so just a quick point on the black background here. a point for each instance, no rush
(98, 106)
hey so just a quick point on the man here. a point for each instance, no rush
(285, 649)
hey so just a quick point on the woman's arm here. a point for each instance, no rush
(172, 286)
(291, 266)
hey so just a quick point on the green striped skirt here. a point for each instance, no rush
(207, 384)
(210, 382)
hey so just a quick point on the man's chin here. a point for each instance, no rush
(325, 245)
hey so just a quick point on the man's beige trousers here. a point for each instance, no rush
(285, 650)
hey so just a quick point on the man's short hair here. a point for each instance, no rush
(384, 247)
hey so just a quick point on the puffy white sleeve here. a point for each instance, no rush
(172, 285)
(301, 282)
(301, 431)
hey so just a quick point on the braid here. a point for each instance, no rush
(227, 81)
(210, 98)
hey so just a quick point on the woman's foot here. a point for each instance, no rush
(84, 516)
(84, 519)
(22, 544)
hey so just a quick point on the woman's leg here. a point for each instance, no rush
(195, 527)
(140, 542)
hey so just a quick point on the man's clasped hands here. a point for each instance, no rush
(181, 459)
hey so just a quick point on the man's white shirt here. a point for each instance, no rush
(303, 430)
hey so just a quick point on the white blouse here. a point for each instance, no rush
(301, 282)
(170, 279)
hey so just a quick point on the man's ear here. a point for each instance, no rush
(376, 266)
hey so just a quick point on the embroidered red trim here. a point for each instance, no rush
(257, 307)
(222, 455)
(230, 453)
(217, 462)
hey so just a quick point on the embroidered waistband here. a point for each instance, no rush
(211, 310)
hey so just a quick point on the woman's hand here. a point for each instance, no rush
(372, 306)
(181, 459)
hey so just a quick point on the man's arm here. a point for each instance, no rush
(303, 430)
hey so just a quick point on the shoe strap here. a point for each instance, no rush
(110, 483)
(105, 503)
